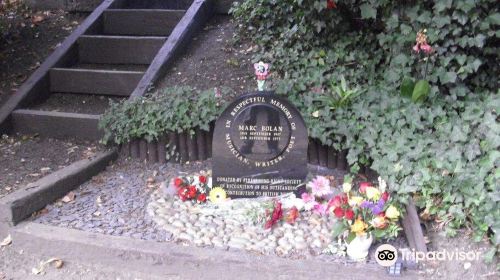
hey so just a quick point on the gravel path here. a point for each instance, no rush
(114, 202)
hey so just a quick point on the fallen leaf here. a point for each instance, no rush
(150, 180)
(37, 270)
(37, 19)
(97, 213)
(45, 169)
(69, 197)
(6, 242)
(58, 263)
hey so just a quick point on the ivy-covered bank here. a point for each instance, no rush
(442, 145)
(175, 109)
(350, 67)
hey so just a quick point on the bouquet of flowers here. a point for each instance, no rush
(192, 187)
(369, 209)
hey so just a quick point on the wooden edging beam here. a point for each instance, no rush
(20, 204)
(37, 84)
(197, 14)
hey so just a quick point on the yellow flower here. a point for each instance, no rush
(372, 193)
(355, 201)
(346, 187)
(217, 195)
(359, 227)
(392, 212)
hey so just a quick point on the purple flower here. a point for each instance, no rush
(366, 204)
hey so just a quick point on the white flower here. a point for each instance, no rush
(315, 114)
(196, 181)
(291, 201)
(382, 185)
(346, 187)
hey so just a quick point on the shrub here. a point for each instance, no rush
(172, 109)
(370, 42)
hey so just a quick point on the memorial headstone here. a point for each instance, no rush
(260, 147)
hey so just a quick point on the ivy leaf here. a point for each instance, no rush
(367, 11)
(448, 77)
(421, 91)
(479, 40)
(407, 86)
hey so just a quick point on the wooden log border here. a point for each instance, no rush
(184, 147)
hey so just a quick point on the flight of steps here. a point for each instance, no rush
(108, 60)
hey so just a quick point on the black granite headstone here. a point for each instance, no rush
(260, 147)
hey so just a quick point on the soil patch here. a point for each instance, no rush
(76, 103)
(458, 269)
(212, 61)
(31, 39)
(25, 159)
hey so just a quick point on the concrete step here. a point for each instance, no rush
(105, 82)
(118, 49)
(141, 22)
(56, 124)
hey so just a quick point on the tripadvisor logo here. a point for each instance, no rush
(387, 255)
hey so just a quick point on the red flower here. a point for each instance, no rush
(182, 193)
(275, 216)
(345, 199)
(330, 4)
(363, 186)
(349, 214)
(339, 212)
(191, 192)
(202, 179)
(293, 214)
(202, 198)
(178, 182)
(335, 201)
(385, 196)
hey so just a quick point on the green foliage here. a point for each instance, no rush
(421, 91)
(444, 149)
(407, 86)
(446, 153)
(171, 109)
(370, 42)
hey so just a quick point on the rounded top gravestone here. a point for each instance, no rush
(260, 147)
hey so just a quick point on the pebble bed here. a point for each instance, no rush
(187, 223)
